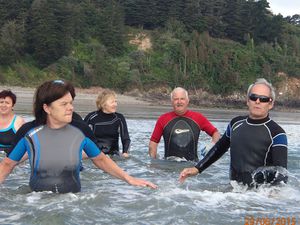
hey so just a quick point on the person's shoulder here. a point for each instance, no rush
(275, 127)
(30, 124)
(26, 127)
(79, 124)
(19, 122)
(238, 119)
(20, 119)
(170, 113)
(167, 115)
(76, 116)
(120, 115)
(84, 129)
(194, 113)
(89, 115)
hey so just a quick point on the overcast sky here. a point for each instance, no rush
(285, 7)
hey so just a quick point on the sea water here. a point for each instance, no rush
(208, 198)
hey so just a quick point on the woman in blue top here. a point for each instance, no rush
(54, 143)
(9, 122)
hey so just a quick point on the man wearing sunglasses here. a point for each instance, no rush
(258, 145)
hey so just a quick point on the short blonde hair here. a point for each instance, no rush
(103, 97)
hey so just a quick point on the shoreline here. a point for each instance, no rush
(139, 108)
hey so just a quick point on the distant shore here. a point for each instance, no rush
(139, 108)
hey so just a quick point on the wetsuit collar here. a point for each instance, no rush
(105, 114)
(259, 121)
(57, 128)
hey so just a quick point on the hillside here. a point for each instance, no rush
(214, 49)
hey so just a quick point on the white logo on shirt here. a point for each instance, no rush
(180, 131)
(35, 130)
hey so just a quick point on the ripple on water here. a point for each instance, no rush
(204, 199)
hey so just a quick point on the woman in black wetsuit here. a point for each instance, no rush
(108, 125)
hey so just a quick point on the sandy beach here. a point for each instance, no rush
(133, 107)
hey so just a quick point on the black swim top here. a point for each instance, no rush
(7, 136)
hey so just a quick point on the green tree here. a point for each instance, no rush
(233, 20)
(13, 10)
(111, 31)
(192, 16)
(11, 42)
(48, 29)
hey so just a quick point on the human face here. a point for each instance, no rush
(258, 109)
(59, 112)
(110, 106)
(6, 106)
(180, 102)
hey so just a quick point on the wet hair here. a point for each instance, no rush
(265, 82)
(179, 89)
(103, 97)
(9, 93)
(47, 93)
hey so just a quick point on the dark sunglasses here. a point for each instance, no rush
(262, 98)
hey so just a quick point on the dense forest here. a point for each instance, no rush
(219, 46)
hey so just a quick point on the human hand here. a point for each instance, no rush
(141, 183)
(187, 172)
(125, 155)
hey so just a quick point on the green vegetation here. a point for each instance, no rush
(219, 46)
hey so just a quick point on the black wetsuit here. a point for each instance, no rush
(181, 133)
(107, 129)
(54, 154)
(7, 136)
(253, 144)
(76, 116)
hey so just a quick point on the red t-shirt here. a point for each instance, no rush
(198, 118)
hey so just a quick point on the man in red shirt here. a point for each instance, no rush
(181, 129)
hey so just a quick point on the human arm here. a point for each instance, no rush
(279, 150)
(153, 149)
(187, 172)
(6, 167)
(17, 124)
(125, 139)
(24, 158)
(207, 126)
(18, 151)
(84, 155)
(125, 155)
(212, 156)
(87, 117)
(155, 137)
(215, 137)
(106, 164)
(276, 170)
